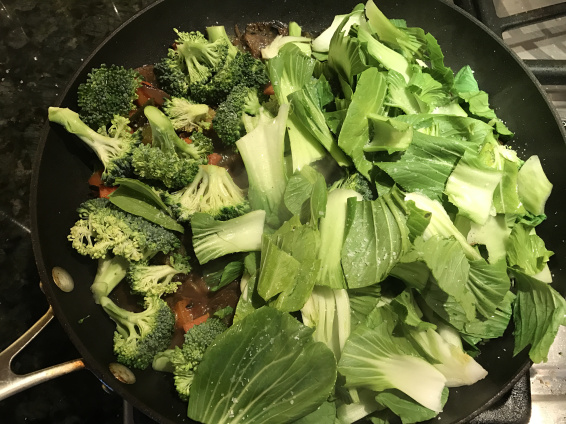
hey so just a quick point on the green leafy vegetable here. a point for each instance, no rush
(354, 134)
(539, 311)
(138, 198)
(264, 369)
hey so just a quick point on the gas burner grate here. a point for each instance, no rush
(547, 71)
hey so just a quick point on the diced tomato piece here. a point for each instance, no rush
(185, 317)
(95, 179)
(268, 90)
(187, 326)
(143, 96)
(214, 158)
(105, 191)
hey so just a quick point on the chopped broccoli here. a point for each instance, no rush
(139, 336)
(218, 32)
(163, 361)
(103, 228)
(200, 145)
(170, 76)
(157, 280)
(356, 182)
(176, 71)
(165, 138)
(173, 171)
(183, 361)
(199, 337)
(110, 272)
(183, 381)
(202, 58)
(186, 115)
(229, 122)
(243, 69)
(108, 91)
(113, 148)
(213, 239)
(169, 159)
(213, 192)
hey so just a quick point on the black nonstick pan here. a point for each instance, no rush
(63, 166)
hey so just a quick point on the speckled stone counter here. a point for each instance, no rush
(42, 43)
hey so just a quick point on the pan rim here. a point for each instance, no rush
(103, 375)
(39, 258)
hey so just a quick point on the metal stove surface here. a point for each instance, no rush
(543, 40)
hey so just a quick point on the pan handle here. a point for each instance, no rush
(12, 383)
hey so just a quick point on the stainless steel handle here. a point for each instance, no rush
(12, 383)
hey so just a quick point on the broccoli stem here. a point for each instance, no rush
(128, 323)
(106, 148)
(218, 32)
(164, 136)
(111, 270)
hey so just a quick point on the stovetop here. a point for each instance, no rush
(41, 46)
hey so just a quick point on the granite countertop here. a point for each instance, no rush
(42, 44)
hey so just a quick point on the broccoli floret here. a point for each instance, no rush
(165, 138)
(173, 171)
(198, 338)
(139, 336)
(169, 158)
(183, 381)
(243, 69)
(113, 148)
(356, 182)
(229, 122)
(213, 239)
(157, 280)
(218, 32)
(202, 58)
(108, 91)
(200, 145)
(186, 115)
(175, 72)
(111, 271)
(163, 361)
(103, 228)
(213, 192)
(183, 361)
(170, 76)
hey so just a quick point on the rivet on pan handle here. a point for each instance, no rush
(12, 383)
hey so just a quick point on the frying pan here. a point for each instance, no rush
(63, 166)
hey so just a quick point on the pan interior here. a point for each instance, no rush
(63, 166)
